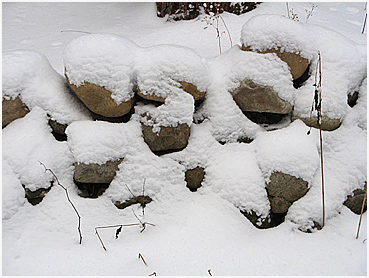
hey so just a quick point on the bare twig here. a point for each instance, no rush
(361, 214)
(362, 31)
(288, 11)
(66, 192)
(152, 274)
(130, 190)
(143, 224)
(209, 271)
(140, 257)
(76, 31)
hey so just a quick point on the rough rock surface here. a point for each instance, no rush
(168, 139)
(99, 101)
(13, 109)
(355, 202)
(296, 63)
(261, 104)
(194, 178)
(284, 189)
(328, 124)
(96, 173)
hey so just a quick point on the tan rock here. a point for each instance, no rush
(296, 63)
(185, 86)
(252, 97)
(328, 124)
(99, 101)
(13, 109)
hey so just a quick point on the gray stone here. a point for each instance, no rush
(284, 189)
(94, 173)
(13, 109)
(168, 139)
(327, 123)
(194, 178)
(252, 97)
(355, 202)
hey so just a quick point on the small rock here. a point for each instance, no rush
(93, 179)
(168, 139)
(352, 99)
(271, 221)
(58, 130)
(284, 189)
(99, 101)
(194, 178)
(296, 63)
(355, 202)
(142, 200)
(35, 197)
(327, 124)
(13, 109)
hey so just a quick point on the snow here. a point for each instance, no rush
(28, 74)
(194, 232)
(336, 50)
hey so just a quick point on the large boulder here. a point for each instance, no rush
(93, 179)
(99, 100)
(284, 189)
(327, 123)
(169, 138)
(13, 109)
(297, 64)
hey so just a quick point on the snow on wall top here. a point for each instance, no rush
(102, 59)
(161, 67)
(273, 31)
(29, 75)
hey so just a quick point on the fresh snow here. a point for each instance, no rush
(195, 232)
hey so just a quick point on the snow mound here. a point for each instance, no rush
(104, 60)
(29, 141)
(12, 191)
(281, 151)
(337, 52)
(99, 142)
(29, 75)
(160, 68)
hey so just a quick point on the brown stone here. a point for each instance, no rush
(327, 124)
(168, 139)
(99, 101)
(185, 86)
(194, 178)
(252, 97)
(355, 202)
(13, 109)
(143, 200)
(35, 197)
(295, 62)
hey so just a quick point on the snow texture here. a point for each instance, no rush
(29, 75)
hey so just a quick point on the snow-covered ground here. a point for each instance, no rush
(195, 233)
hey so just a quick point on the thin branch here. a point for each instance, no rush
(97, 233)
(130, 191)
(362, 31)
(76, 31)
(361, 214)
(209, 271)
(66, 192)
(140, 257)
(229, 34)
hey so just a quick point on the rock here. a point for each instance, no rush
(168, 139)
(13, 109)
(355, 202)
(93, 179)
(58, 130)
(185, 86)
(98, 100)
(194, 178)
(253, 97)
(35, 197)
(142, 200)
(284, 189)
(296, 63)
(271, 221)
(352, 98)
(328, 124)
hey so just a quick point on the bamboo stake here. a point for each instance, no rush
(361, 214)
